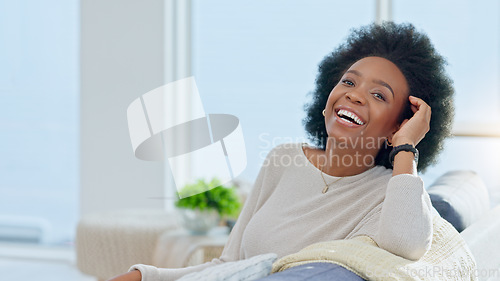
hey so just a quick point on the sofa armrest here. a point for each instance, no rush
(482, 237)
(108, 243)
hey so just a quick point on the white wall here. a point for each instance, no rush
(122, 57)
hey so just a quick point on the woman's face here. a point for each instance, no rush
(367, 102)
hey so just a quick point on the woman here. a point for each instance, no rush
(370, 112)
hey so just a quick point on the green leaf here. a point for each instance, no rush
(224, 199)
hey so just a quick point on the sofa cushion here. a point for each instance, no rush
(460, 197)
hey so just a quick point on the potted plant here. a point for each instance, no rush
(203, 210)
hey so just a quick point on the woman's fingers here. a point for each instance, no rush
(419, 105)
(415, 128)
(418, 102)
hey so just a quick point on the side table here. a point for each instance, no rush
(180, 248)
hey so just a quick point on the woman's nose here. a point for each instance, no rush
(355, 97)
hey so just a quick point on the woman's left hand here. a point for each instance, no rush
(413, 130)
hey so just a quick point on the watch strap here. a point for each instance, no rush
(404, 147)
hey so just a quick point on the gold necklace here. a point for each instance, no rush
(327, 186)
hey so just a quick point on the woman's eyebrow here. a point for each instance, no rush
(380, 82)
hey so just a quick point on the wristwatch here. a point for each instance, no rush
(404, 147)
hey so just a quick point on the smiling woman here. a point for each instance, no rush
(367, 95)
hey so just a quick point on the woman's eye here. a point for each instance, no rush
(379, 96)
(348, 82)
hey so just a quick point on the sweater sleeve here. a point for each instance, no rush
(232, 249)
(405, 226)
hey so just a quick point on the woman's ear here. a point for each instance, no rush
(396, 129)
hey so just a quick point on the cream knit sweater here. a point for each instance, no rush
(286, 211)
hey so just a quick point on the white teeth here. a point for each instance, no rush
(351, 115)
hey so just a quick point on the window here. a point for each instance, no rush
(39, 120)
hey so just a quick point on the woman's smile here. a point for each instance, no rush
(348, 117)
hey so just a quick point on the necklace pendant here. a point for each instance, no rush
(325, 189)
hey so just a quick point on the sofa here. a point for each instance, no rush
(106, 247)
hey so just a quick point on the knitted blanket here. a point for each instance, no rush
(449, 258)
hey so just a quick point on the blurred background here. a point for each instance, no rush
(69, 69)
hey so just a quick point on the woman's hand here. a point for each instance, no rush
(134, 275)
(413, 130)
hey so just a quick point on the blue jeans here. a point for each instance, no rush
(318, 271)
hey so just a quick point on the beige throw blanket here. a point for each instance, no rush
(449, 258)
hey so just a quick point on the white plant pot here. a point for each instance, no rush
(198, 222)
